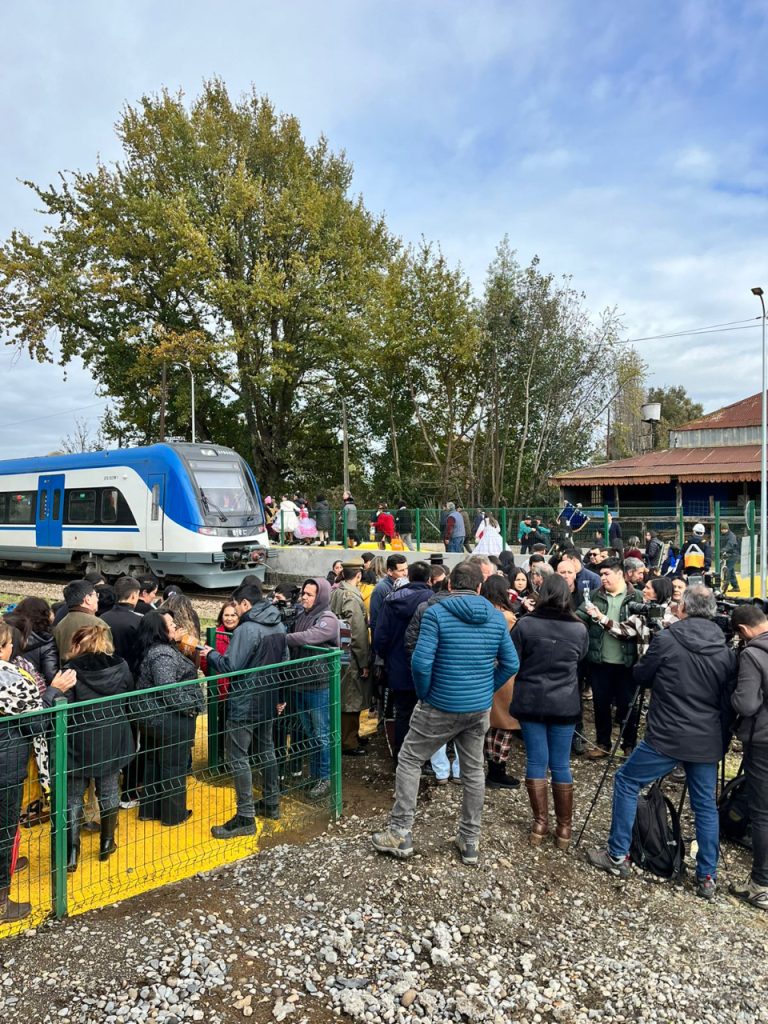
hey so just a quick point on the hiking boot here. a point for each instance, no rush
(442, 782)
(706, 887)
(267, 810)
(752, 893)
(538, 795)
(320, 790)
(578, 744)
(595, 753)
(10, 911)
(468, 850)
(393, 843)
(603, 861)
(497, 777)
(237, 826)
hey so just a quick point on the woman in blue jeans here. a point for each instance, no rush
(550, 643)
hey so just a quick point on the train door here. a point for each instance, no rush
(50, 511)
(155, 515)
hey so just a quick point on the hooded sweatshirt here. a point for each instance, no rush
(691, 672)
(750, 698)
(317, 627)
(463, 655)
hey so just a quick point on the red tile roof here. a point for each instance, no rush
(746, 413)
(694, 465)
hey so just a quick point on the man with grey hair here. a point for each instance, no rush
(634, 572)
(691, 671)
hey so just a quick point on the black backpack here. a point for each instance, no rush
(657, 843)
(733, 811)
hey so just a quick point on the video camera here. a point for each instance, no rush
(651, 611)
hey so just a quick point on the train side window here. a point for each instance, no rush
(57, 504)
(155, 515)
(109, 505)
(82, 507)
(43, 511)
(21, 508)
(3, 508)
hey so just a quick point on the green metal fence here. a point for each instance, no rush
(272, 732)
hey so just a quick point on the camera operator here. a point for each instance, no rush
(690, 669)
(750, 701)
(644, 619)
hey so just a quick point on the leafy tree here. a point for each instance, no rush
(223, 240)
(677, 408)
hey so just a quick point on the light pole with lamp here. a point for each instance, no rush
(192, 379)
(763, 465)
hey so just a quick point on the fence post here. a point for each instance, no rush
(344, 540)
(212, 704)
(681, 527)
(503, 525)
(717, 540)
(282, 527)
(335, 735)
(606, 525)
(417, 520)
(59, 808)
(333, 527)
(749, 515)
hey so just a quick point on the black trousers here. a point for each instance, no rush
(756, 770)
(133, 773)
(403, 702)
(10, 809)
(612, 685)
(169, 738)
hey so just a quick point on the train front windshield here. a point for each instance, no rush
(226, 491)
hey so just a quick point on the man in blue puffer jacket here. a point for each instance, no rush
(463, 655)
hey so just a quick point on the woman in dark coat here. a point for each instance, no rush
(550, 642)
(100, 739)
(168, 719)
(322, 520)
(34, 618)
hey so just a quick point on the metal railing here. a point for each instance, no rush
(273, 729)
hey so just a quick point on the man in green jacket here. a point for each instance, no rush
(347, 605)
(82, 601)
(610, 658)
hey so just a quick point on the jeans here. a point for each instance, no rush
(613, 684)
(107, 792)
(431, 729)
(441, 765)
(407, 539)
(240, 735)
(403, 703)
(756, 770)
(455, 544)
(314, 707)
(548, 746)
(730, 579)
(645, 765)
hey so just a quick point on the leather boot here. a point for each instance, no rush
(74, 820)
(562, 794)
(10, 911)
(107, 844)
(538, 794)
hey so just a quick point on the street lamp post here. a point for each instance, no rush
(192, 379)
(763, 464)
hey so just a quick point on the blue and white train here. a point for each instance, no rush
(178, 510)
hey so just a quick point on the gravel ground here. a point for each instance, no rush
(328, 930)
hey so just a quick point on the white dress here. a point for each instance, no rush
(488, 539)
(289, 512)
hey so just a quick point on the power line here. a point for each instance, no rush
(711, 329)
(52, 415)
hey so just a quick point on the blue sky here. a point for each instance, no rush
(625, 144)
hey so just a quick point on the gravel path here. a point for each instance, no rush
(329, 929)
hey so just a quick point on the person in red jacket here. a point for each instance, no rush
(384, 526)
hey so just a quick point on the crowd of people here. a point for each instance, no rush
(464, 667)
